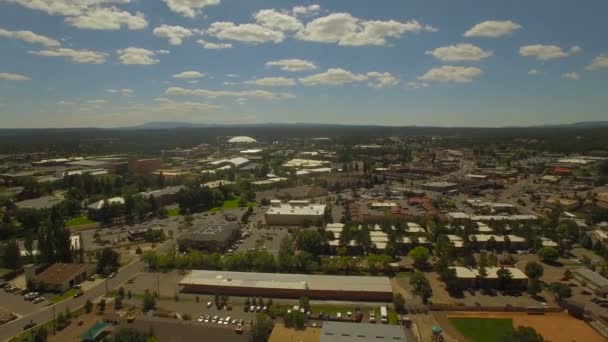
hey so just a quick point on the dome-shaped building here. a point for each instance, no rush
(242, 140)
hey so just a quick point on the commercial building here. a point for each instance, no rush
(242, 140)
(44, 202)
(294, 213)
(470, 278)
(277, 285)
(209, 237)
(361, 332)
(143, 165)
(58, 277)
(594, 280)
(164, 196)
(442, 187)
(94, 209)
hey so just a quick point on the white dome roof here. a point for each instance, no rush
(242, 140)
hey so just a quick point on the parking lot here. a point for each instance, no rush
(16, 303)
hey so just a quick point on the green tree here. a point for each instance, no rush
(12, 255)
(421, 285)
(305, 303)
(561, 291)
(101, 305)
(522, 334)
(42, 335)
(107, 260)
(534, 287)
(129, 334)
(420, 255)
(399, 303)
(534, 269)
(149, 302)
(504, 277)
(310, 241)
(261, 329)
(548, 254)
(88, 306)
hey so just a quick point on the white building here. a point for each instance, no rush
(295, 213)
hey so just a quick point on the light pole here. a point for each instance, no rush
(54, 321)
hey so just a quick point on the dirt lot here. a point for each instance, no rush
(555, 327)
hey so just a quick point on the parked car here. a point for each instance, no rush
(29, 325)
(112, 275)
(78, 293)
(209, 304)
(38, 300)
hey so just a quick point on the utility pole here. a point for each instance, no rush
(158, 286)
(54, 321)
(106, 271)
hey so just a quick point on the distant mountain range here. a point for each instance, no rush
(176, 124)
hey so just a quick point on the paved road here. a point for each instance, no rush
(45, 314)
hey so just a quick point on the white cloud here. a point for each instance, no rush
(277, 21)
(65, 7)
(599, 62)
(450, 73)
(163, 52)
(233, 75)
(417, 85)
(492, 29)
(546, 52)
(273, 82)
(214, 46)
(65, 103)
(246, 33)
(189, 74)
(78, 56)
(138, 56)
(124, 92)
(175, 34)
(292, 64)
(13, 77)
(382, 80)
(110, 18)
(346, 30)
(190, 8)
(170, 105)
(97, 102)
(334, 76)
(306, 10)
(460, 52)
(213, 94)
(535, 72)
(30, 37)
(571, 76)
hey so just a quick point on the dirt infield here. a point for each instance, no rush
(555, 327)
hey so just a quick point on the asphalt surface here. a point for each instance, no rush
(45, 314)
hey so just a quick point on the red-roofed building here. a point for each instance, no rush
(418, 200)
(560, 170)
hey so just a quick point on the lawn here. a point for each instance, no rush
(67, 294)
(231, 204)
(77, 221)
(483, 329)
(173, 212)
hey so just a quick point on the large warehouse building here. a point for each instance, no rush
(294, 213)
(276, 285)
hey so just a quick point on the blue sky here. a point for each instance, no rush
(110, 63)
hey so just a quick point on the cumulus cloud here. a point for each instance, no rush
(190, 8)
(277, 21)
(213, 94)
(246, 33)
(571, 76)
(66, 103)
(292, 64)
(599, 62)
(417, 85)
(65, 7)
(97, 102)
(78, 56)
(272, 82)
(535, 72)
(189, 74)
(460, 52)
(214, 46)
(136, 56)
(175, 34)
(547, 52)
(450, 73)
(110, 18)
(381, 80)
(170, 105)
(163, 52)
(30, 37)
(13, 77)
(124, 92)
(346, 30)
(492, 29)
(306, 10)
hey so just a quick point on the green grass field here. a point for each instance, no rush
(173, 212)
(482, 329)
(77, 221)
(67, 294)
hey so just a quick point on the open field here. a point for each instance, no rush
(482, 329)
(77, 221)
(555, 327)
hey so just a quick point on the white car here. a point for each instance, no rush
(207, 319)
(209, 304)
(214, 319)
(38, 300)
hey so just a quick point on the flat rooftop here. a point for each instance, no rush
(361, 332)
(288, 281)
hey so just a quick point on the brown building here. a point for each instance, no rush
(276, 285)
(59, 277)
(143, 165)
